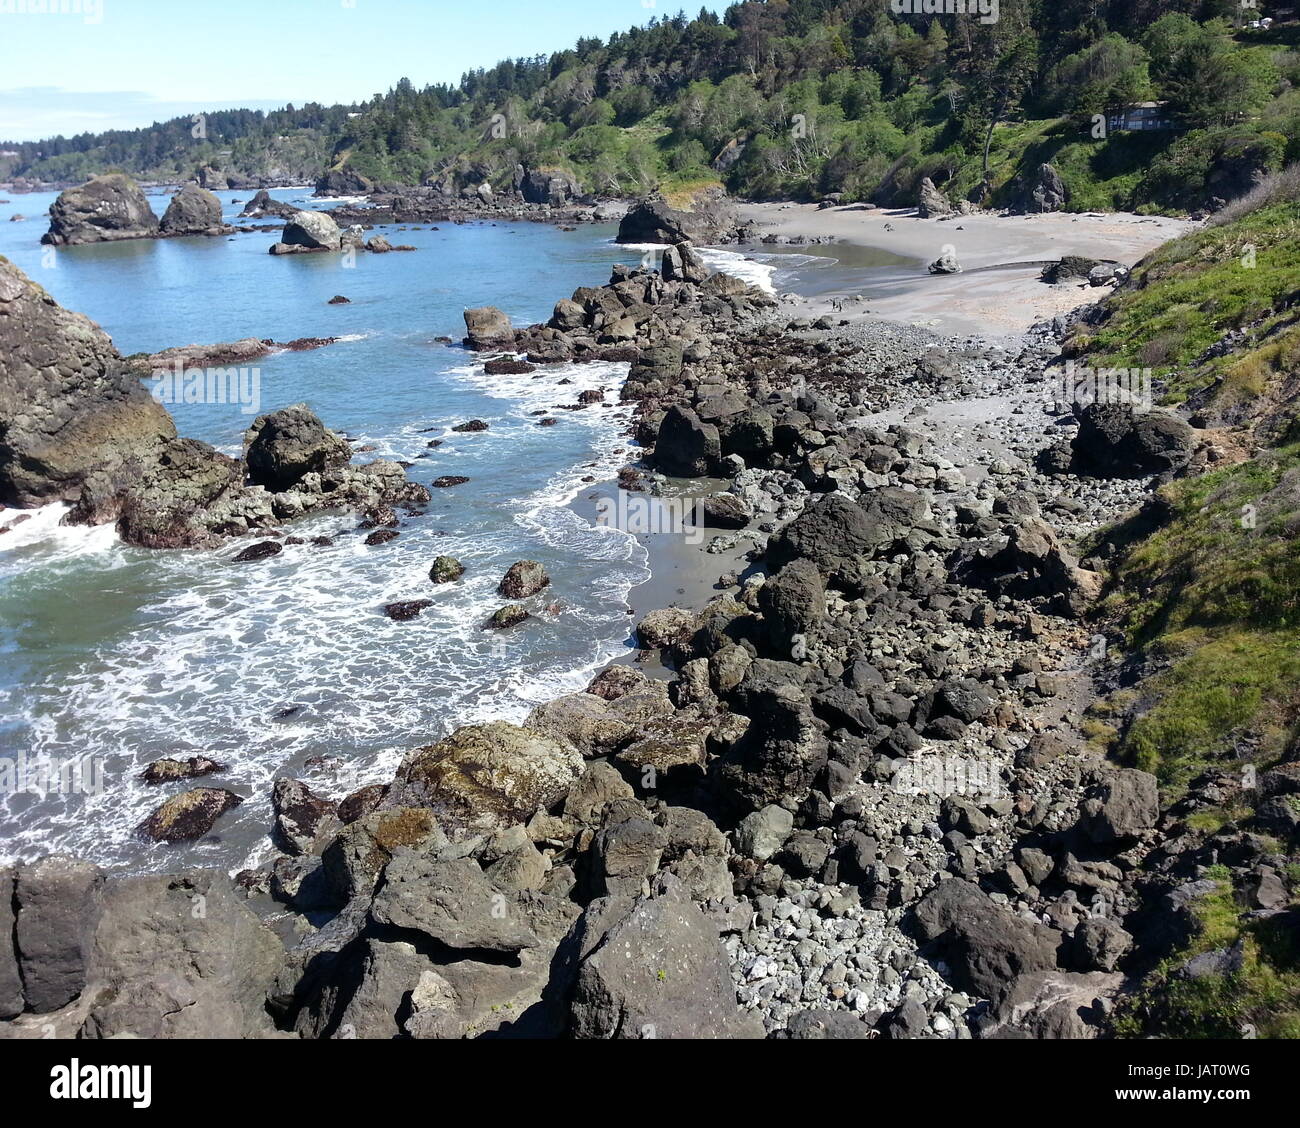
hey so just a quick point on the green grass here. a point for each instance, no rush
(1264, 995)
(1193, 290)
(1214, 597)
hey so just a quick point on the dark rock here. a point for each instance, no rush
(406, 610)
(263, 550)
(168, 771)
(56, 904)
(523, 579)
(1115, 441)
(105, 209)
(508, 367)
(1121, 806)
(792, 602)
(302, 818)
(685, 446)
(192, 211)
(1041, 191)
(986, 946)
(362, 801)
(446, 569)
(286, 445)
(189, 815)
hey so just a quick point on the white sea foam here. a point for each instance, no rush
(215, 651)
(740, 266)
(43, 527)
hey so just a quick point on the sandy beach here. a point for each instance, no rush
(983, 300)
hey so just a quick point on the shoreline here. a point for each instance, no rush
(979, 301)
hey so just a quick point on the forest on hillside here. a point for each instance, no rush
(801, 99)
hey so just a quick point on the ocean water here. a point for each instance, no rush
(111, 657)
(119, 656)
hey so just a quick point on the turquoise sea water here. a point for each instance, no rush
(123, 655)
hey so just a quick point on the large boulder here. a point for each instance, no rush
(1043, 190)
(650, 967)
(56, 906)
(310, 231)
(1121, 806)
(180, 956)
(522, 579)
(288, 444)
(985, 946)
(553, 187)
(68, 408)
(487, 777)
(1117, 441)
(192, 211)
(932, 204)
(105, 209)
(263, 206)
(488, 330)
(829, 532)
(189, 815)
(784, 748)
(712, 219)
(450, 902)
(792, 603)
(682, 264)
(344, 182)
(686, 447)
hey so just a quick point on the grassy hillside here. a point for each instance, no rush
(1204, 597)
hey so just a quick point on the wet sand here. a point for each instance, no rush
(980, 300)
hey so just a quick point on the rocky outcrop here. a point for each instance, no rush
(287, 445)
(488, 329)
(712, 219)
(1115, 440)
(309, 232)
(1041, 191)
(344, 181)
(193, 211)
(189, 815)
(551, 187)
(932, 204)
(264, 206)
(69, 410)
(487, 777)
(105, 209)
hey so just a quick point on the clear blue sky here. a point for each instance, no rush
(109, 64)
